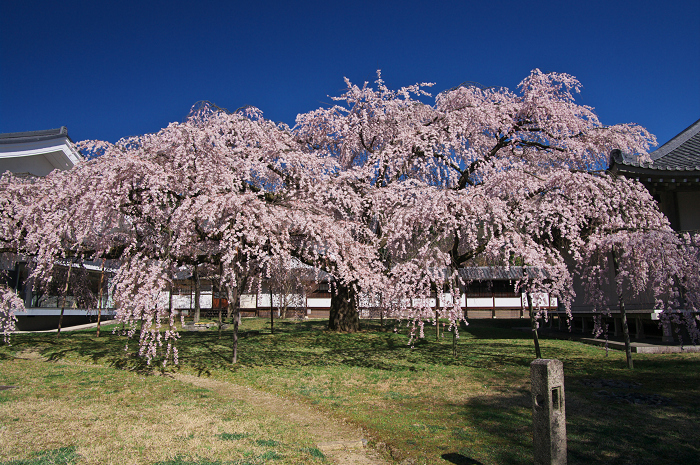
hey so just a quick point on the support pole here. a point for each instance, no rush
(272, 316)
(100, 297)
(533, 326)
(63, 300)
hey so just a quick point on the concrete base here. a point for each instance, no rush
(642, 347)
(70, 328)
(647, 346)
(49, 322)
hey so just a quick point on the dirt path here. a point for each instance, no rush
(341, 442)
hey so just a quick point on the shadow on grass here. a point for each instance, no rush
(297, 344)
(502, 420)
(459, 459)
(109, 349)
(607, 428)
(308, 344)
(600, 428)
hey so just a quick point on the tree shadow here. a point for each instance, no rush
(308, 343)
(503, 420)
(459, 459)
(601, 428)
(595, 412)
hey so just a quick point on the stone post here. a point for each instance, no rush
(548, 412)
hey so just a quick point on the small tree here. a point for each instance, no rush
(286, 283)
(10, 304)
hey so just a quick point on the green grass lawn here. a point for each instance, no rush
(77, 413)
(415, 402)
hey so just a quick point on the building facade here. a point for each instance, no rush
(672, 177)
(36, 154)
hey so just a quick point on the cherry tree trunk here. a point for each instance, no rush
(241, 283)
(284, 306)
(216, 290)
(272, 314)
(454, 342)
(437, 326)
(197, 293)
(100, 297)
(344, 315)
(171, 327)
(626, 333)
(63, 301)
(234, 310)
(221, 323)
(623, 316)
(533, 325)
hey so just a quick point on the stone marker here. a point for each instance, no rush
(548, 415)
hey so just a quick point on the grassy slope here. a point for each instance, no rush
(421, 402)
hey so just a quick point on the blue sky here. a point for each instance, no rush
(108, 69)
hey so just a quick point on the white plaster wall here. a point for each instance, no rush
(507, 302)
(184, 301)
(249, 301)
(479, 302)
(318, 302)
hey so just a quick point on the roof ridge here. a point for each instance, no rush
(34, 136)
(41, 132)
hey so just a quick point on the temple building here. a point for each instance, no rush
(37, 152)
(672, 177)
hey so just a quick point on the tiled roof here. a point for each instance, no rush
(498, 273)
(681, 151)
(680, 154)
(33, 136)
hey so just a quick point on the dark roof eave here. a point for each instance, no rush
(635, 170)
(501, 273)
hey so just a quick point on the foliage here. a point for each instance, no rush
(9, 305)
(390, 195)
(488, 176)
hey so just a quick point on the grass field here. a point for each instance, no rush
(418, 404)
